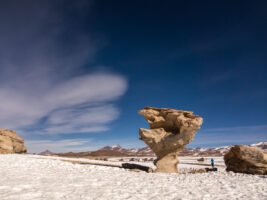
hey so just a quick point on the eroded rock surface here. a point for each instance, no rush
(10, 142)
(170, 130)
(245, 159)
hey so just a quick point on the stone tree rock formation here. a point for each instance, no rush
(10, 142)
(170, 130)
(245, 159)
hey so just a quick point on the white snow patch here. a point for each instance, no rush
(259, 144)
(27, 177)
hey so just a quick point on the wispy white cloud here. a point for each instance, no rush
(80, 119)
(79, 145)
(61, 104)
(37, 146)
(230, 135)
(43, 87)
(243, 129)
(220, 77)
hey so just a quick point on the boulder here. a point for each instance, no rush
(10, 142)
(246, 159)
(170, 130)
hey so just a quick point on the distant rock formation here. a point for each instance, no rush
(10, 142)
(170, 130)
(245, 159)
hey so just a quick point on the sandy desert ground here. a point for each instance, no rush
(25, 177)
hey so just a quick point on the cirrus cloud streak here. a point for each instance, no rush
(44, 84)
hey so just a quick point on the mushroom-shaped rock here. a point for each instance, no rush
(10, 142)
(170, 130)
(246, 159)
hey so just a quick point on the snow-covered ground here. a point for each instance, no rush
(37, 177)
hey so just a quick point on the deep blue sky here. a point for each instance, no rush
(204, 56)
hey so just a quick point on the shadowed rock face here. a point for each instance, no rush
(245, 159)
(10, 142)
(170, 130)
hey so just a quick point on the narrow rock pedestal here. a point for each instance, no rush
(170, 130)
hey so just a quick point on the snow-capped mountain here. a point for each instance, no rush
(218, 151)
(146, 151)
(262, 145)
(118, 151)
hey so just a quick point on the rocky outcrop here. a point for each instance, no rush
(245, 159)
(170, 130)
(10, 142)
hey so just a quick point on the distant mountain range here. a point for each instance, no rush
(118, 151)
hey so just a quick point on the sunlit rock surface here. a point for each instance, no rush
(245, 159)
(170, 130)
(10, 142)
